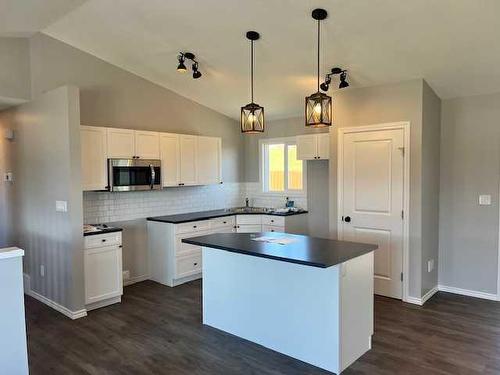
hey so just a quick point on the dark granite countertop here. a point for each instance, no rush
(103, 231)
(204, 215)
(310, 251)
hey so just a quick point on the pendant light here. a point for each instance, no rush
(252, 115)
(318, 105)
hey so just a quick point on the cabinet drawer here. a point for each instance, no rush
(194, 226)
(222, 222)
(248, 228)
(188, 265)
(272, 228)
(248, 219)
(184, 249)
(102, 240)
(278, 221)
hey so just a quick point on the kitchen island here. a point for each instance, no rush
(306, 297)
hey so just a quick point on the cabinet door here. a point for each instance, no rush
(169, 155)
(147, 144)
(188, 159)
(209, 160)
(121, 143)
(94, 158)
(324, 146)
(248, 228)
(103, 273)
(307, 147)
(272, 228)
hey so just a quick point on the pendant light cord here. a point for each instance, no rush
(318, 54)
(251, 68)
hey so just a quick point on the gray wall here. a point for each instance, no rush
(47, 158)
(317, 171)
(14, 69)
(431, 136)
(6, 188)
(110, 96)
(470, 165)
(383, 104)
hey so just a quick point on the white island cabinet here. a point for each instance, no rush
(308, 298)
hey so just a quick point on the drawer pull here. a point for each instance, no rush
(195, 226)
(272, 221)
(195, 264)
(103, 240)
(224, 222)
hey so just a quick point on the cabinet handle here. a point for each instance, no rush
(120, 246)
(272, 221)
(195, 226)
(224, 222)
(103, 240)
(195, 264)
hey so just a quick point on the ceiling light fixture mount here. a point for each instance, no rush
(182, 57)
(342, 73)
(252, 114)
(318, 108)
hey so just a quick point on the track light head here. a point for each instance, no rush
(324, 86)
(196, 74)
(343, 80)
(181, 68)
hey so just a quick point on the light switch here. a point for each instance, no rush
(485, 200)
(8, 177)
(61, 206)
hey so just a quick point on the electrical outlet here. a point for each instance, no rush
(42, 270)
(430, 265)
(126, 275)
(485, 200)
(61, 206)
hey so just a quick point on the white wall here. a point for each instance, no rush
(470, 165)
(14, 71)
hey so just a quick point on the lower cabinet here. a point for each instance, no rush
(103, 270)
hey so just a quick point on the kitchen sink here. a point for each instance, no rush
(244, 210)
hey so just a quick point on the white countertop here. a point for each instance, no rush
(11, 252)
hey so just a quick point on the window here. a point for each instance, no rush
(281, 172)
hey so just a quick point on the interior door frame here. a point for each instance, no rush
(405, 126)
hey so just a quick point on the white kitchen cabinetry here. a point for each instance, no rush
(121, 143)
(94, 158)
(169, 156)
(147, 144)
(103, 269)
(313, 146)
(208, 160)
(248, 223)
(188, 171)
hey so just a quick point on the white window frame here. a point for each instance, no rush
(263, 158)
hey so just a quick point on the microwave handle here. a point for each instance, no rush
(152, 175)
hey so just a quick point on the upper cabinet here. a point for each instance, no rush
(147, 145)
(169, 156)
(94, 158)
(121, 143)
(209, 160)
(131, 144)
(188, 164)
(313, 146)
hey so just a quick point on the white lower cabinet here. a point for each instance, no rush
(103, 269)
(271, 228)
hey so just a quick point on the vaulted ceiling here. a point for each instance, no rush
(453, 44)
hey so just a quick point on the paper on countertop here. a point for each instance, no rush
(285, 240)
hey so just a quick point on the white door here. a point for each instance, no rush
(121, 143)
(372, 201)
(147, 144)
(323, 146)
(208, 154)
(94, 158)
(169, 155)
(307, 147)
(188, 161)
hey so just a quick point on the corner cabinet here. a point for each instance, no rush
(94, 158)
(313, 146)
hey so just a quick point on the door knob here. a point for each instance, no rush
(347, 219)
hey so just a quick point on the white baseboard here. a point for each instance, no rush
(63, 310)
(470, 293)
(424, 299)
(135, 279)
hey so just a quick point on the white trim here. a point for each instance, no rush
(469, 293)
(405, 125)
(63, 310)
(498, 252)
(11, 252)
(104, 303)
(135, 279)
(26, 283)
(424, 299)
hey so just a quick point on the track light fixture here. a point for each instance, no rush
(182, 57)
(328, 79)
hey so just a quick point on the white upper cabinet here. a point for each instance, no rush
(94, 158)
(188, 145)
(209, 160)
(147, 145)
(169, 155)
(121, 143)
(313, 146)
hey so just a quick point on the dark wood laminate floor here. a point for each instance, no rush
(158, 330)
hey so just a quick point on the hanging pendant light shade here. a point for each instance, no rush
(252, 115)
(318, 109)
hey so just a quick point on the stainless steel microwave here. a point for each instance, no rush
(134, 174)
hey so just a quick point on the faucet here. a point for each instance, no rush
(246, 203)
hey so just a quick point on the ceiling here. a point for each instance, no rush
(453, 44)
